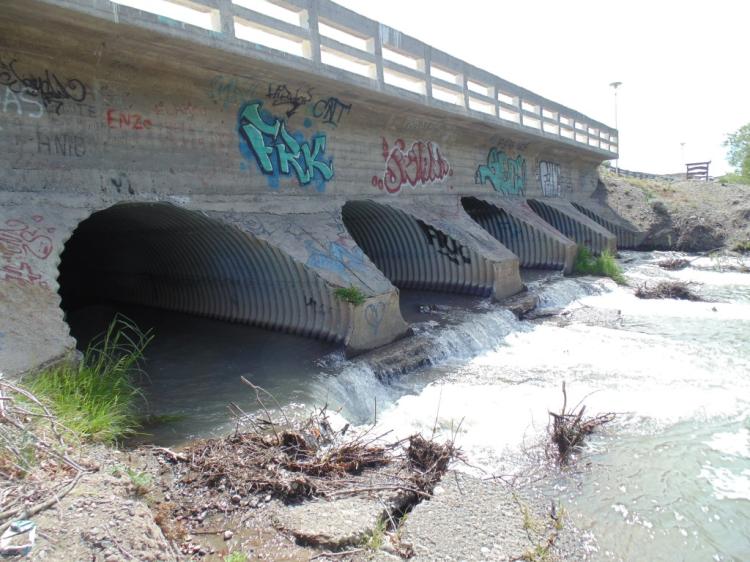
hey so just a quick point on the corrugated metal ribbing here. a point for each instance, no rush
(626, 238)
(573, 229)
(414, 254)
(533, 247)
(163, 256)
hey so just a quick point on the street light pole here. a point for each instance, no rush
(616, 85)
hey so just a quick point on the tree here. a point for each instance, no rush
(738, 156)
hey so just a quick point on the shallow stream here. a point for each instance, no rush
(669, 479)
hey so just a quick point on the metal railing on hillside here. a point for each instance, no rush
(329, 35)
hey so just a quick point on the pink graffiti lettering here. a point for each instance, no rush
(20, 242)
(23, 274)
(423, 163)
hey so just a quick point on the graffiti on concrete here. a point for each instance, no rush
(65, 145)
(506, 175)
(47, 87)
(446, 246)
(330, 110)
(266, 140)
(421, 164)
(22, 243)
(127, 120)
(338, 259)
(374, 313)
(282, 95)
(121, 182)
(549, 176)
(22, 103)
(227, 91)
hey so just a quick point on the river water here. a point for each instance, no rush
(669, 479)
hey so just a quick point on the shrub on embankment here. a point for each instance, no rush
(603, 265)
(98, 398)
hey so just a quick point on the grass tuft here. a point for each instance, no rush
(603, 265)
(97, 398)
(235, 557)
(742, 247)
(350, 294)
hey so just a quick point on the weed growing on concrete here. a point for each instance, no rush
(97, 398)
(603, 265)
(350, 294)
(376, 539)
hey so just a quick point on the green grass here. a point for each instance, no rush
(350, 294)
(603, 265)
(98, 398)
(734, 178)
(376, 539)
(742, 247)
(235, 557)
(141, 481)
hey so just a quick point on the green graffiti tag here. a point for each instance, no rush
(507, 175)
(293, 154)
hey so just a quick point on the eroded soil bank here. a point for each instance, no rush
(687, 216)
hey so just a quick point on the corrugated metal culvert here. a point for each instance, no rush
(575, 225)
(160, 255)
(414, 254)
(533, 246)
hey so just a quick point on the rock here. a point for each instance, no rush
(236, 498)
(489, 514)
(332, 524)
(228, 535)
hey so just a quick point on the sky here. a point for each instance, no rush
(684, 66)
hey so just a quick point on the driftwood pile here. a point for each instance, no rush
(673, 264)
(568, 429)
(667, 290)
(295, 460)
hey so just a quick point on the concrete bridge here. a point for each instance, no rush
(247, 160)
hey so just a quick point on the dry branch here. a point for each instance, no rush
(667, 290)
(568, 429)
(298, 460)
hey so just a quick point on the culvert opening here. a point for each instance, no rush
(535, 248)
(215, 297)
(417, 257)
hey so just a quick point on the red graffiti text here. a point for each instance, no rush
(124, 120)
(422, 163)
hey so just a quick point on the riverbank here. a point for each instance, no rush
(685, 216)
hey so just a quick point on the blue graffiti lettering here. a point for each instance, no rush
(265, 136)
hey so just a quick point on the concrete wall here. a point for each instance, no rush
(94, 113)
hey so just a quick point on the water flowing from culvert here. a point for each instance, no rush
(668, 480)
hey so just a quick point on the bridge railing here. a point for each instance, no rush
(332, 36)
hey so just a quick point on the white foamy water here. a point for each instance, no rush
(670, 478)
